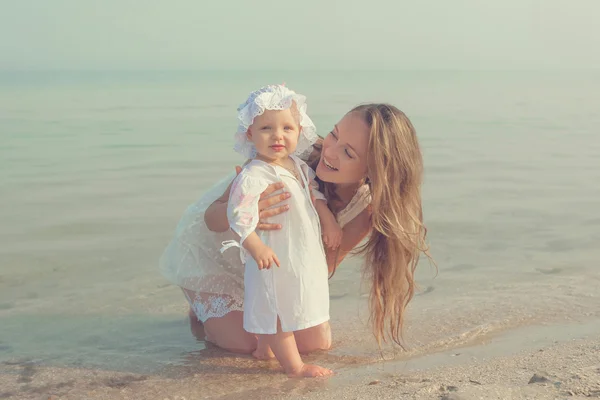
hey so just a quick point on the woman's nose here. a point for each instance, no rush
(330, 152)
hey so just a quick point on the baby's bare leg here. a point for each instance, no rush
(285, 349)
(263, 350)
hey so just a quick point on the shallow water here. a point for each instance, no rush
(96, 169)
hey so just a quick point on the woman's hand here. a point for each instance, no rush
(267, 200)
(215, 216)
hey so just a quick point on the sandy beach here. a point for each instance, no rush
(549, 369)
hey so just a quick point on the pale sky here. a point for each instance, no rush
(300, 34)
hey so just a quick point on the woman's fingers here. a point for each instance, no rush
(263, 226)
(266, 209)
(273, 187)
(270, 212)
(266, 212)
(272, 200)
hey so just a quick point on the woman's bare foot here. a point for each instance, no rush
(310, 371)
(263, 351)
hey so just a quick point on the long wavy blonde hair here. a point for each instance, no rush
(398, 235)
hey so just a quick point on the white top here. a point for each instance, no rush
(297, 291)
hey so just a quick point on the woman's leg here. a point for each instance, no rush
(314, 339)
(308, 340)
(227, 332)
(196, 326)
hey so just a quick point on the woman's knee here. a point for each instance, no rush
(313, 344)
(314, 339)
(325, 341)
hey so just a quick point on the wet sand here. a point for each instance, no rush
(556, 365)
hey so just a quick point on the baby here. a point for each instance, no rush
(274, 130)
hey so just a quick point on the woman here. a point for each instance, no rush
(370, 169)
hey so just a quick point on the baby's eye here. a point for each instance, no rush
(289, 128)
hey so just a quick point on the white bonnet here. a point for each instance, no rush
(273, 97)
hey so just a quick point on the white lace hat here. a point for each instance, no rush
(273, 97)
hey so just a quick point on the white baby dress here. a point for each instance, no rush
(297, 292)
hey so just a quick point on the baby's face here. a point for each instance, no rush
(275, 134)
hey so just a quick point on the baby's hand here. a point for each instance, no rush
(265, 257)
(332, 234)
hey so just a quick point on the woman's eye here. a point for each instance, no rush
(348, 153)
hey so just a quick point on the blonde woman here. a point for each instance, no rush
(370, 169)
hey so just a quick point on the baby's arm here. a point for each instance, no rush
(264, 256)
(332, 232)
(242, 214)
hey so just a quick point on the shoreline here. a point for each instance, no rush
(560, 370)
(562, 359)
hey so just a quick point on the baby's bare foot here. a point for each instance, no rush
(310, 371)
(263, 353)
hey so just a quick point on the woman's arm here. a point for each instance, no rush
(352, 234)
(215, 216)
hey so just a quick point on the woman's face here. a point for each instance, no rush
(344, 153)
